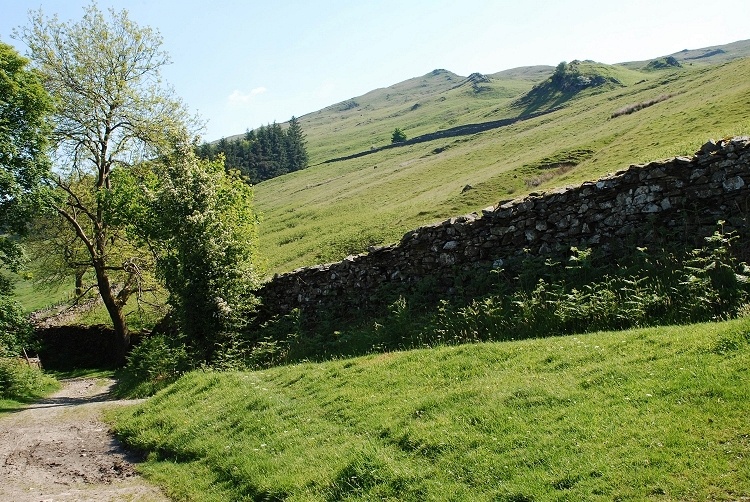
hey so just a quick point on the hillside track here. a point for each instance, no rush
(58, 449)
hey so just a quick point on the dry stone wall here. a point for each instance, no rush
(679, 199)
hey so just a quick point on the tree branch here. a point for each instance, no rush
(78, 230)
(78, 204)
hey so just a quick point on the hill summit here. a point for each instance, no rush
(567, 81)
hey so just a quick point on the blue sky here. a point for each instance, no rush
(241, 64)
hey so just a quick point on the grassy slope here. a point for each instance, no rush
(655, 413)
(323, 213)
(435, 101)
(34, 297)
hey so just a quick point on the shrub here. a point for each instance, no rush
(15, 331)
(152, 365)
(277, 337)
(204, 230)
(20, 381)
(715, 284)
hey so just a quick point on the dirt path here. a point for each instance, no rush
(59, 450)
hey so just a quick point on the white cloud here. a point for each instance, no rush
(240, 98)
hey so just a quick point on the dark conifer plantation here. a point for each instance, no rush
(263, 153)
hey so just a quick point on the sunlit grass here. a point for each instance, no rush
(21, 384)
(631, 415)
(34, 296)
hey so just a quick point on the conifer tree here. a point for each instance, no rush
(263, 153)
(398, 136)
(296, 150)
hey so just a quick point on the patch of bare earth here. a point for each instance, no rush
(59, 450)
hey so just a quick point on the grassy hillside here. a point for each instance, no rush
(33, 297)
(328, 211)
(645, 414)
(577, 76)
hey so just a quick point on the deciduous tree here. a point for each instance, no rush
(203, 228)
(24, 126)
(112, 112)
(24, 109)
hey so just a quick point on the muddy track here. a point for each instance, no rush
(59, 450)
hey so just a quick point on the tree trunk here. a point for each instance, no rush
(79, 282)
(115, 313)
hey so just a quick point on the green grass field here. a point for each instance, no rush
(650, 414)
(33, 297)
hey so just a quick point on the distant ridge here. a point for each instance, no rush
(725, 52)
(715, 54)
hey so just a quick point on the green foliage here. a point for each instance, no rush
(203, 229)
(24, 110)
(603, 416)
(263, 153)
(398, 136)
(560, 70)
(710, 284)
(152, 365)
(270, 345)
(15, 331)
(296, 149)
(21, 382)
(714, 278)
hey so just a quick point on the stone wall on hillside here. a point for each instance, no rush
(69, 347)
(680, 200)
